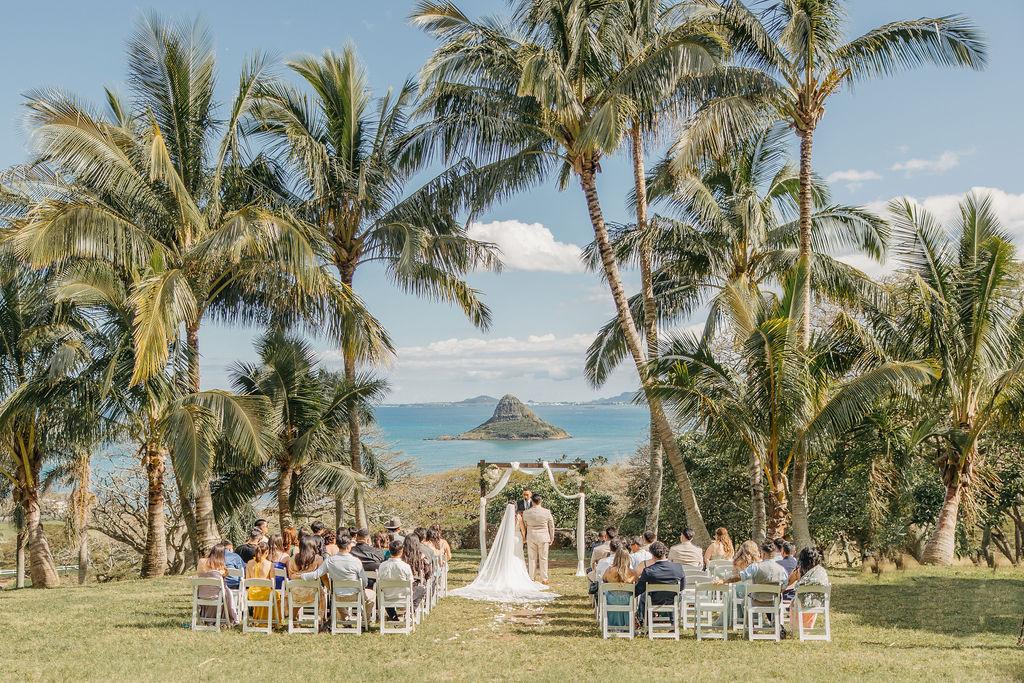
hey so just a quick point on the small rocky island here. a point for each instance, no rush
(512, 421)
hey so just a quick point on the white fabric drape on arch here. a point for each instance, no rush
(581, 514)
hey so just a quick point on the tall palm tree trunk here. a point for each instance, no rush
(339, 512)
(284, 496)
(656, 469)
(19, 562)
(154, 560)
(347, 271)
(779, 499)
(664, 429)
(188, 513)
(801, 524)
(42, 568)
(942, 544)
(757, 512)
(206, 523)
(81, 502)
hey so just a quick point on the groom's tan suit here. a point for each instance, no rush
(540, 531)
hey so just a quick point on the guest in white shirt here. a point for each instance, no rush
(395, 569)
(605, 562)
(638, 554)
(343, 566)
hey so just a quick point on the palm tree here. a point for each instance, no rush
(160, 415)
(957, 299)
(800, 49)
(41, 348)
(311, 420)
(352, 158)
(149, 187)
(547, 92)
(777, 398)
(737, 226)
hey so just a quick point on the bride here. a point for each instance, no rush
(503, 576)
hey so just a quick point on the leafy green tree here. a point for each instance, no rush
(546, 94)
(159, 185)
(310, 407)
(957, 300)
(779, 398)
(353, 158)
(799, 57)
(736, 226)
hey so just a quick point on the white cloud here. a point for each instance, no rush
(545, 356)
(852, 177)
(946, 161)
(529, 246)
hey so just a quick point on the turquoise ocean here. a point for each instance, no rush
(611, 431)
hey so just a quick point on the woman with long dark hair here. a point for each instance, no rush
(809, 572)
(414, 557)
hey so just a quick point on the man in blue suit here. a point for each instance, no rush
(661, 572)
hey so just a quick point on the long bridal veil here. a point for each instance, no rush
(503, 576)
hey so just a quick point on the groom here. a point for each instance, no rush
(538, 527)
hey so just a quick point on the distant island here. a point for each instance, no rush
(625, 398)
(512, 421)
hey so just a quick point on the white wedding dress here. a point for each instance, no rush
(503, 576)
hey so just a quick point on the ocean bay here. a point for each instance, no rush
(610, 431)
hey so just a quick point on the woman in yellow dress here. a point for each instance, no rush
(260, 567)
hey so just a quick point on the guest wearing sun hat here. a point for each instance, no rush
(394, 527)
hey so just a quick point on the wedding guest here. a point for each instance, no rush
(661, 572)
(434, 541)
(766, 570)
(809, 572)
(426, 549)
(342, 566)
(395, 568)
(414, 557)
(602, 550)
(290, 538)
(260, 567)
(721, 547)
(317, 528)
(213, 562)
(380, 542)
(330, 543)
(248, 549)
(212, 567)
(649, 538)
(780, 543)
(306, 559)
(232, 560)
(370, 556)
(620, 571)
(686, 551)
(638, 554)
(605, 562)
(446, 548)
(394, 527)
(278, 557)
(789, 564)
(264, 528)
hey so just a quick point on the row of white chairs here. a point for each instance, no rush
(710, 609)
(297, 604)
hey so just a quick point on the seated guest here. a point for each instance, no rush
(603, 550)
(420, 564)
(290, 539)
(395, 568)
(342, 566)
(686, 551)
(380, 542)
(766, 570)
(306, 560)
(780, 543)
(721, 546)
(639, 556)
(260, 567)
(279, 558)
(429, 551)
(317, 528)
(264, 528)
(434, 541)
(620, 571)
(661, 572)
(606, 561)
(789, 563)
(370, 556)
(809, 572)
(212, 567)
(232, 560)
(394, 527)
(330, 543)
(248, 549)
(446, 548)
(649, 538)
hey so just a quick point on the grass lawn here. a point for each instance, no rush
(925, 624)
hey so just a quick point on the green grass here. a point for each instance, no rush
(925, 624)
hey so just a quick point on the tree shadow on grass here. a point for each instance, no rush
(947, 605)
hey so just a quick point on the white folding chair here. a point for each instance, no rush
(609, 630)
(757, 611)
(396, 595)
(302, 603)
(663, 620)
(208, 592)
(711, 606)
(695, 575)
(236, 593)
(738, 618)
(249, 621)
(822, 612)
(716, 564)
(348, 596)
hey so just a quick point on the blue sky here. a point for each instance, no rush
(930, 134)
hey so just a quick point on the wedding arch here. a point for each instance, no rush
(497, 487)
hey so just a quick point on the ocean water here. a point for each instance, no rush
(613, 432)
